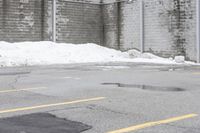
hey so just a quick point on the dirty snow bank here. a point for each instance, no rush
(46, 53)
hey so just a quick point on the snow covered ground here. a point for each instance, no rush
(47, 53)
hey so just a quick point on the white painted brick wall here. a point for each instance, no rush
(110, 18)
(130, 25)
(169, 27)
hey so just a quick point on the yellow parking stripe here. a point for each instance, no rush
(197, 73)
(18, 90)
(150, 124)
(50, 105)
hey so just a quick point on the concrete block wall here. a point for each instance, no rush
(22, 20)
(31, 20)
(189, 18)
(130, 25)
(157, 27)
(111, 25)
(169, 27)
(48, 20)
(79, 22)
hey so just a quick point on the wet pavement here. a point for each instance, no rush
(146, 87)
(107, 97)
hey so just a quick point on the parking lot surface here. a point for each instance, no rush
(101, 98)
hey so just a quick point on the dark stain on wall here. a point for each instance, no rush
(4, 14)
(102, 23)
(42, 18)
(118, 24)
(178, 28)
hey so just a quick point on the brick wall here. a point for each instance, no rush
(111, 27)
(22, 20)
(48, 27)
(158, 30)
(169, 27)
(130, 25)
(31, 20)
(79, 22)
(190, 28)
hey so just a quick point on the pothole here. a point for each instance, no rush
(81, 69)
(13, 73)
(147, 87)
(40, 123)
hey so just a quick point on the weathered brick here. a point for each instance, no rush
(169, 27)
(31, 20)
(79, 23)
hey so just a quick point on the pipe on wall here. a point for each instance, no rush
(54, 20)
(141, 26)
(198, 29)
(118, 25)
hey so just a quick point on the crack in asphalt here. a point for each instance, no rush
(17, 75)
(63, 109)
(90, 107)
(147, 87)
(95, 107)
(16, 79)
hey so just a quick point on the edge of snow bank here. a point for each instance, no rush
(49, 53)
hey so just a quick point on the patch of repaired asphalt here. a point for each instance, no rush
(40, 123)
(147, 87)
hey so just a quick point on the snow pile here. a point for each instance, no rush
(179, 59)
(46, 53)
(151, 58)
(136, 54)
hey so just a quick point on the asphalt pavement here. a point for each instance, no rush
(101, 98)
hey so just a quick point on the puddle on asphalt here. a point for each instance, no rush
(114, 67)
(81, 69)
(40, 123)
(13, 73)
(147, 87)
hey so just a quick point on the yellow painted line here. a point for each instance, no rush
(18, 90)
(151, 124)
(50, 105)
(196, 73)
